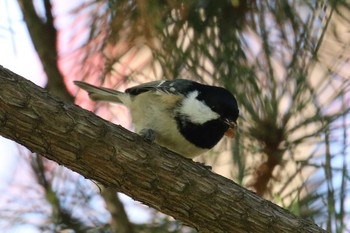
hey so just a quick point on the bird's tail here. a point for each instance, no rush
(100, 93)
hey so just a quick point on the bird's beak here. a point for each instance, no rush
(231, 131)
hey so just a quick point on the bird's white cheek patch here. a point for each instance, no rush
(197, 111)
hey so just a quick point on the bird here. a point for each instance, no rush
(182, 115)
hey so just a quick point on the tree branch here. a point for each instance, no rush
(119, 221)
(44, 38)
(119, 159)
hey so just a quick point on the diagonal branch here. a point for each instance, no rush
(119, 159)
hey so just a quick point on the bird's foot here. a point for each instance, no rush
(148, 134)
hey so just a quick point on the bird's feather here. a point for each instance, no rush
(100, 93)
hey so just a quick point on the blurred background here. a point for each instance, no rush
(287, 63)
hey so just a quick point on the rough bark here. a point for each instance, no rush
(122, 160)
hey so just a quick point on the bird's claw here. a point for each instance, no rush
(148, 134)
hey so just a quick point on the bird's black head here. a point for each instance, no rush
(220, 101)
(207, 114)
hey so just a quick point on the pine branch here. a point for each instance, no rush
(119, 159)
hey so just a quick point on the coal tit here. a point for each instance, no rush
(185, 116)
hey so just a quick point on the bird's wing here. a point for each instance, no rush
(177, 86)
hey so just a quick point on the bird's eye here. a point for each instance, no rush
(216, 109)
